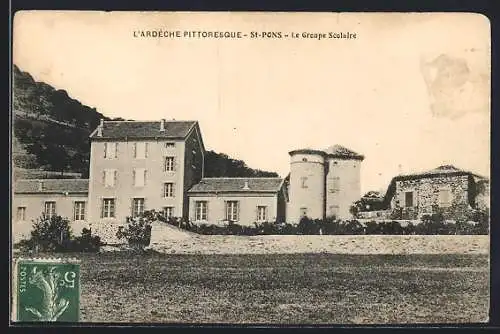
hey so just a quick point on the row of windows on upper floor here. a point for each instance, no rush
(110, 180)
(334, 184)
(139, 150)
(139, 175)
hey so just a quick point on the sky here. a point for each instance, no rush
(411, 92)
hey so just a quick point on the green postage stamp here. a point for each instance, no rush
(46, 290)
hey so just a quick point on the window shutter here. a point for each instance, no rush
(257, 213)
(134, 182)
(173, 189)
(115, 177)
(116, 150)
(74, 210)
(174, 165)
(105, 149)
(135, 150)
(206, 210)
(401, 198)
(102, 208)
(238, 211)
(145, 150)
(145, 174)
(165, 164)
(104, 177)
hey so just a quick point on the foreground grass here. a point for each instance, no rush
(289, 289)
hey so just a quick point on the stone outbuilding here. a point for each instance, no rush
(445, 189)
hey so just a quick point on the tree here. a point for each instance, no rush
(50, 234)
(137, 232)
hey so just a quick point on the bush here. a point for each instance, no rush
(86, 243)
(50, 234)
(54, 235)
(137, 232)
(430, 224)
(409, 229)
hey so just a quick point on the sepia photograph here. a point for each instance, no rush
(259, 168)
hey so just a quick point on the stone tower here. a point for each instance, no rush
(307, 185)
(343, 180)
(323, 183)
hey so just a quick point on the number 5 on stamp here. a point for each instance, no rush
(47, 290)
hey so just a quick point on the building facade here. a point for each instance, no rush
(445, 189)
(244, 201)
(49, 197)
(137, 166)
(323, 183)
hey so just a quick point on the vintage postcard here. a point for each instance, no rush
(250, 168)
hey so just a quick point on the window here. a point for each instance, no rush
(444, 198)
(333, 209)
(50, 209)
(110, 150)
(79, 211)
(21, 213)
(168, 211)
(409, 199)
(335, 184)
(169, 145)
(137, 207)
(303, 182)
(108, 208)
(168, 189)
(201, 210)
(232, 211)
(139, 175)
(110, 177)
(261, 213)
(140, 150)
(303, 212)
(169, 164)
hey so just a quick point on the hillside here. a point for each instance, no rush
(51, 129)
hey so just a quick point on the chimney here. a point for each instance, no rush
(99, 128)
(162, 125)
(40, 185)
(246, 187)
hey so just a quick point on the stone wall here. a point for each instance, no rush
(107, 232)
(426, 196)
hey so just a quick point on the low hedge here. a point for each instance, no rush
(429, 225)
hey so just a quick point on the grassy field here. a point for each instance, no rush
(289, 289)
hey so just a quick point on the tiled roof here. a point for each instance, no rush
(341, 151)
(237, 184)
(51, 186)
(438, 171)
(144, 129)
(335, 151)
